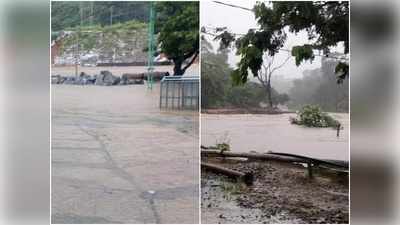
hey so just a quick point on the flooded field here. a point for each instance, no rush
(117, 159)
(262, 133)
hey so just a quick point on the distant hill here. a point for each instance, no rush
(66, 15)
(120, 43)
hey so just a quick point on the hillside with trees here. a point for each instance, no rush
(69, 14)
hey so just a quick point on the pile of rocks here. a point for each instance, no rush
(106, 78)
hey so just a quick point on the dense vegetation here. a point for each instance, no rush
(326, 23)
(178, 28)
(67, 14)
(318, 87)
(313, 116)
(218, 90)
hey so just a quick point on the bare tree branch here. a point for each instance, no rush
(191, 61)
(278, 67)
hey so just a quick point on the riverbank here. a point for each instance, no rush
(245, 111)
(281, 193)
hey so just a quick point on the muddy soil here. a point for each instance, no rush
(281, 193)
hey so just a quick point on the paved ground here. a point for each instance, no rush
(117, 159)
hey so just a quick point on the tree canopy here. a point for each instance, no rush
(315, 87)
(326, 23)
(217, 89)
(178, 32)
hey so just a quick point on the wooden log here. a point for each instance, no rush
(275, 156)
(247, 178)
(283, 157)
(257, 156)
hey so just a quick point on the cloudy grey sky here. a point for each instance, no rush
(240, 21)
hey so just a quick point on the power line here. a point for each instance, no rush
(283, 49)
(234, 6)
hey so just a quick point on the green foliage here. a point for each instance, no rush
(302, 53)
(178, 28)
(326, 24)
(342, 71)
(219, 91)
(223, 147)
(312, 116)
(225, 38)
(318, 87)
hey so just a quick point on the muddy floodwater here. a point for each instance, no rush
(116, 158)
(262, 133)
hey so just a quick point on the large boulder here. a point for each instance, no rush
(106, 78)
(84, 79)
(57, 79)
(132, 78)
(69, 80)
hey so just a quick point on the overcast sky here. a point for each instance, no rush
(240, 21)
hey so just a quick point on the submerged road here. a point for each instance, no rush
(117, 159)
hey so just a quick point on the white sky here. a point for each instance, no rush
(240, 21)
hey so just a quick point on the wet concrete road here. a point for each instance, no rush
(117, 159)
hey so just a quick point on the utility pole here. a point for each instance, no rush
(151, 49)
(77, 53)
(81, 11)
(111, 14)
(91, 13)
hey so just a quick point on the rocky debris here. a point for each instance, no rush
(137, 78)
(57, 79)
(106, 78)
(69, 80)
(85, 79)
(132, 78)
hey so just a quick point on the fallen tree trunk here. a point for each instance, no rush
(341, 166)
(258, 156)
(247, 178)
(285, 157)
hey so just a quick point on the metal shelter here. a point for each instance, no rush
(179, 93)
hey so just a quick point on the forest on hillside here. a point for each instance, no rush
(66, 14)
(317, 87)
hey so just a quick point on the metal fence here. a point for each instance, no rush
(179, 93)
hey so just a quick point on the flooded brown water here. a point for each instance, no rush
(116, 158)
(262, 133)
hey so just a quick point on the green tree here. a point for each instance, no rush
(326, 24)
(217, 90)
(215, 72)
(315, 87)
(178, 32)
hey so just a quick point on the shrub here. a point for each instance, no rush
(312, 116)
